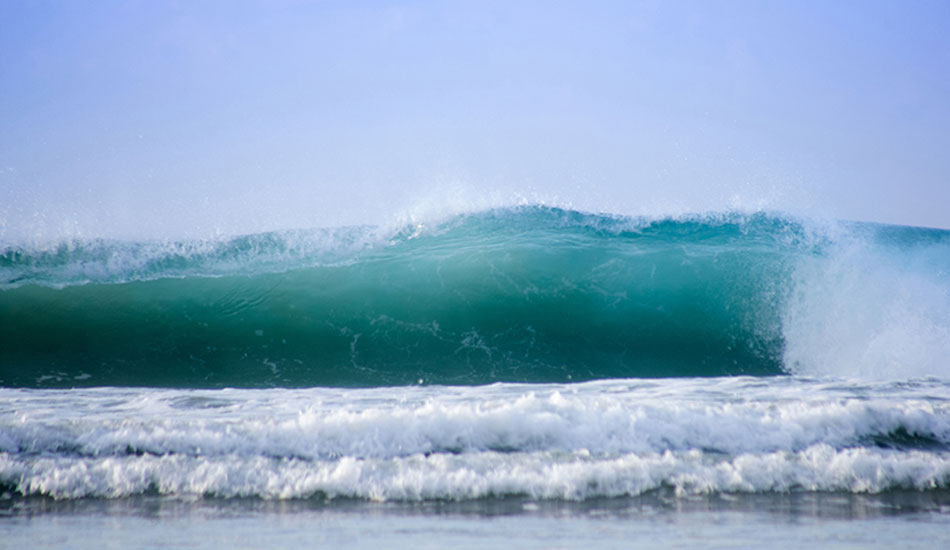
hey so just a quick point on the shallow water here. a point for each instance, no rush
(891, 520)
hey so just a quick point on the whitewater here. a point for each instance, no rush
(543, 360)
(572, 442)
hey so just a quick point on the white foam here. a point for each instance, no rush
(553, 419)
(544, 474)
(595, 439)
(870, 310)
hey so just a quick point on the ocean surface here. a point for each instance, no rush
(526, 376)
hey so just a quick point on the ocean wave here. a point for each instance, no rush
(527, 294)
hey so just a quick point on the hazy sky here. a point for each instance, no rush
(196, 117)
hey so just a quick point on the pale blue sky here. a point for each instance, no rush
(195, 117)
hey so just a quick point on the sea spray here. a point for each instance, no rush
(875, 303)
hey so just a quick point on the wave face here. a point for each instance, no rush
(529, 294)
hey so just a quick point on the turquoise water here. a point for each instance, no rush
(536, 295)
(518, 295)
(526, 376)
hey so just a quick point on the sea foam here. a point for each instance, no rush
(579, 441)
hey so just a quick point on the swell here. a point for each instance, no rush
(527, 294)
